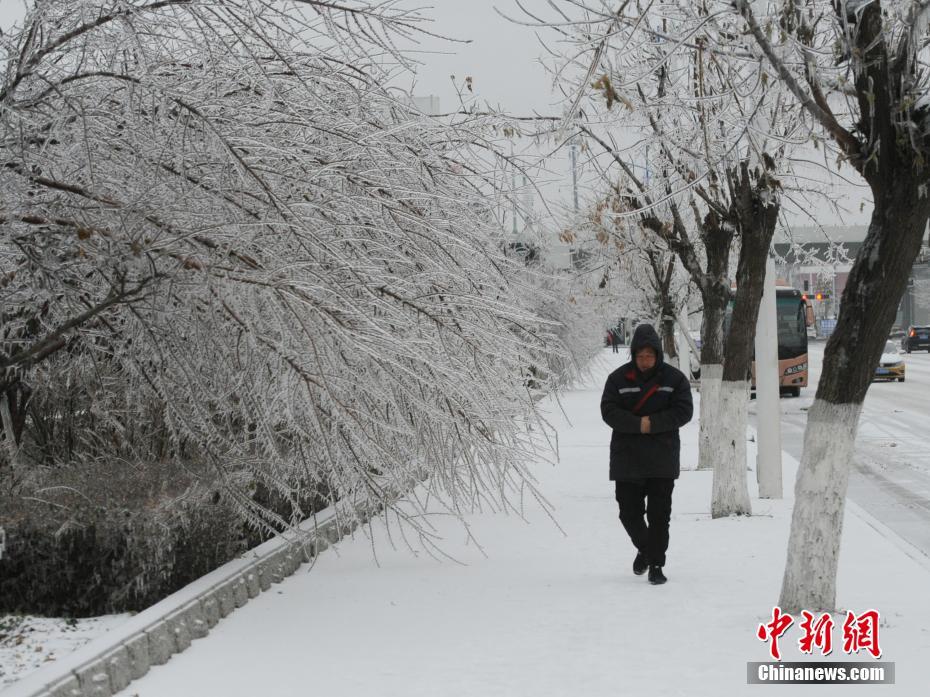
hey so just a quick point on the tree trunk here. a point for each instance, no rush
(757, 218)
(715, 294)
(756, 211)
(668, 337)
(730, 488)
(870, 300)
(709, 439)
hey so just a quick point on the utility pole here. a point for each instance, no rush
(573, 154)
(513, 190)
(768, 409)
(573, 150)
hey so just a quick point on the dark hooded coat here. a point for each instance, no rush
(664, 395)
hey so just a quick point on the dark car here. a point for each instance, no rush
(916, 338)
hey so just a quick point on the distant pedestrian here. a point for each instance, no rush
(615, 340)
(645, 402)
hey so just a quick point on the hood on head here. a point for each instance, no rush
(645, 335)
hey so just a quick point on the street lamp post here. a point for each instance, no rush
(573, 151)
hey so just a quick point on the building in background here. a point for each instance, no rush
(427, 104)
(818, 260)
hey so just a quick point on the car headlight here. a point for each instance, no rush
(796, 369)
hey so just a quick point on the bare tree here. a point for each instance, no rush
(224, 240)
(712, 133)
(631, 257)
(859, 71)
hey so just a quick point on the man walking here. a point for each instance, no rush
(645, 402)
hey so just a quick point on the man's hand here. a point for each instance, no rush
(644, 425)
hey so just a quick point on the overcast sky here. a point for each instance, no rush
(502, 59)
(10, 11)
(500, 56)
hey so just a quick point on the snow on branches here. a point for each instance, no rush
(223, 239)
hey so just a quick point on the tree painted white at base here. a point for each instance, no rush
(711, 377)
(731, 488)
(819, 500)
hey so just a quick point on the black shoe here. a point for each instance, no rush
(656, 577)
(640, 564)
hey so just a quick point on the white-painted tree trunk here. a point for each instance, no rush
(731, 488)
(768, 408)
(819, 500)
(709, 437)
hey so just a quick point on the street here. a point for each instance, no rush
(891, 472)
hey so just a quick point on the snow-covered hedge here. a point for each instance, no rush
(101, 538)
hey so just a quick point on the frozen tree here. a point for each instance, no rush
(671, 85)
(859, 70)
(630, 256)
(563, 297)
(225, 241)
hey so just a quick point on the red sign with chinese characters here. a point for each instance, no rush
(860, 632)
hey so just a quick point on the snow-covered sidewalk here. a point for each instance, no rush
(544, 613)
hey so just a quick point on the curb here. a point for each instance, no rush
(910, 550)
(110, 662)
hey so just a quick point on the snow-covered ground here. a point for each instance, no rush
(28, 643)
(547, 613)
(542, 613)
(891, 469)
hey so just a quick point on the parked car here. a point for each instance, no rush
(916, 338)
(891, 365)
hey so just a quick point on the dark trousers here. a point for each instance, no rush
(652, 498)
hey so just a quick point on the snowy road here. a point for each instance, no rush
(891, 473)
